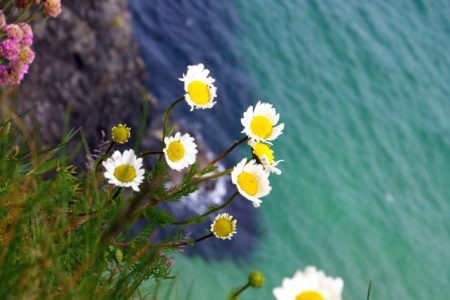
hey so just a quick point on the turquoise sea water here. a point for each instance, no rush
(363, 88)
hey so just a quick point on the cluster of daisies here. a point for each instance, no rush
(260, 125)
(251, 176)
(15, 52)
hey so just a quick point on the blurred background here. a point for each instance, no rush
(363, 88)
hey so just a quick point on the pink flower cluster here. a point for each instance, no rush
(15, 48)
(52, 8)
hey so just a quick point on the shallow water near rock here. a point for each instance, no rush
(363, 90)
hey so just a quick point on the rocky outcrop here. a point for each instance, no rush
(87, 61)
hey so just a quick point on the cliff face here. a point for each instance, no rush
(86, 58)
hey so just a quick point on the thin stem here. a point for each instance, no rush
(192, 220)
(81, 214)
(181, 244)
(8, 5)
(22, 14)
(152, 152)
(240, 291)
(368, 291)
(106, 153)
(235, 144)
(150, 203)
(31, 16)
(166, 122)
(167, 114)
(41, 24)
(123, 245)
(130, 213)
(117, 193)
(214, 176)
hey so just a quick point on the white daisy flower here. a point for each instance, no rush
(199, 87)
(265, 156)
(223, 226)
(310, 285)
(180, 151)
(251, 180)
(124, 169)
(259, 123)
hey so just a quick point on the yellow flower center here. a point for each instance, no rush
(260, 149)
(198, 92)
(120, 133)
(24, 55)
(309, 295)
(175, 151)
(223, 227)
(261, 126)
(125, 173)
(248, 183)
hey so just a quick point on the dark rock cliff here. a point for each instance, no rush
(87, 59)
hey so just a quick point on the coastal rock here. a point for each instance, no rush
(87, 67)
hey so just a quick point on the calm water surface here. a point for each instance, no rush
(363, 88)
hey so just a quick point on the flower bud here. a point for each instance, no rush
(256, 279)
(120, 133)
(118, 254)
(52, 8)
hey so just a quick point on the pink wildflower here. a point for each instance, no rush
(52, 8)
(17, 70)
(27, 33)
(14, 72)
(9, 49)
(16, 49)
(26, 56)
(13, 32)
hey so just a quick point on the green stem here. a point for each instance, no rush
(167, 114)
(32, 16)
(22, 14)
(117, 192)
(7, 5)
(152, 152)
(235, 144)
(368, 291)
(193, 220)
(240, 291)
(181, 244)
(41, 25)
(214, 176)
(166, 121)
